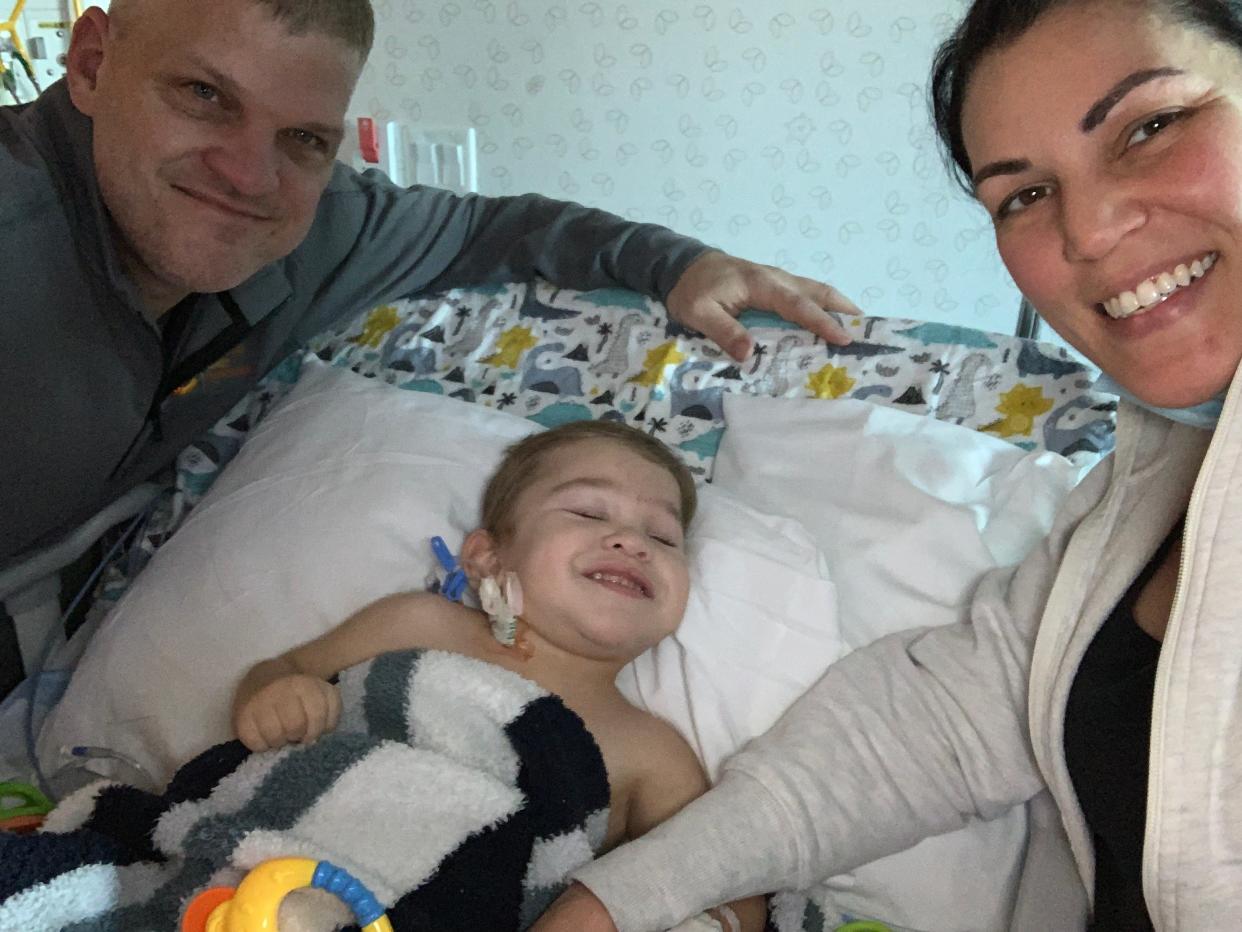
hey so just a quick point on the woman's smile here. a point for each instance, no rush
(1158, 288)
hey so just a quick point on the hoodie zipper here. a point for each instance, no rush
(1155, 768)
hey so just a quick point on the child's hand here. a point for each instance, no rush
(291, 709)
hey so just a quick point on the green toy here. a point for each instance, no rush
(30, 801)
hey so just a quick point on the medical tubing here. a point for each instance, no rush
(349, 889)
(53, 635)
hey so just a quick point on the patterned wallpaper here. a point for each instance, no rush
(793, 132)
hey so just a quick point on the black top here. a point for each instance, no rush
(1107, 742)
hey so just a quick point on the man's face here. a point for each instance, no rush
(214, 135)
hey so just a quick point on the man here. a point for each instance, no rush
(174, 223)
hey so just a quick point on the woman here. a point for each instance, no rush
(1105, 139)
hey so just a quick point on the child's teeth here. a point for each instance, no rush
(1129, 302)
(1166, 283)
(1196, 268)
(1183, 275)
(618, 580)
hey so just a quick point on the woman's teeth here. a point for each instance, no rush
(1154, 290)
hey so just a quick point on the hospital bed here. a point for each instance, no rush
(551, 355)
(30, 589)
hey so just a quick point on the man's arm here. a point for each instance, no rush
(373, 241)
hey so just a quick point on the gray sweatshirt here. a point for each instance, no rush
(82, 363)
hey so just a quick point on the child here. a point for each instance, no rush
(589, 518)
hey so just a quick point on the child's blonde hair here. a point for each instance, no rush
(520, 467)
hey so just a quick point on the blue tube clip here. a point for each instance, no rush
(453, 585)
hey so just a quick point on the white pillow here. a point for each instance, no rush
(331, 503)
(910, 512)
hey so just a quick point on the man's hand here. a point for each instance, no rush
(292, 709)
(716, 287)
(577, 910)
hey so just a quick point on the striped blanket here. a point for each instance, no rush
(461, 794)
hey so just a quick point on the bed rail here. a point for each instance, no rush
(30, 588)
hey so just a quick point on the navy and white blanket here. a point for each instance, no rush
(460, 793)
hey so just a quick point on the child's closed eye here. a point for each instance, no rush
(667, 534)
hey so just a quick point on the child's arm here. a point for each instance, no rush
(288, 698)
(670, 778)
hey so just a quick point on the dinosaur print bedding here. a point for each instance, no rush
(556, 355)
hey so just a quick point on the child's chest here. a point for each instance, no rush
(621, 755)
(621, 784)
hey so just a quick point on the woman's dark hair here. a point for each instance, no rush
(992, 24)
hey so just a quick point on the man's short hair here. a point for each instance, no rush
(351, 22)
(520, 467)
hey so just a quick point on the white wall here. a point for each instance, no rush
(793, 132)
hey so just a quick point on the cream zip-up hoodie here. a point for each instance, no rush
(921, 731)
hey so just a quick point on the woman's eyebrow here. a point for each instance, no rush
(1096, 115)
(1007, 167)
(1101, 108)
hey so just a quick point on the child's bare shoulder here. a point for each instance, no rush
(654, 749)
(421, 619)
(651, 729)
(666, 740)
(415, 601)
(662, 770)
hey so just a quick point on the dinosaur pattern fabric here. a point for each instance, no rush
(554, 355)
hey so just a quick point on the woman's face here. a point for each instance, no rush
(1106, 143)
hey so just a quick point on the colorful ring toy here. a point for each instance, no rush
(253, 906)
(30, 802)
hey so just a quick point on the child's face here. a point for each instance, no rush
(600, 552)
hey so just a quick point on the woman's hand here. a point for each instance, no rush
(577, 910)
(292, 708)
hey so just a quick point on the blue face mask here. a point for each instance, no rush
(1203, 415)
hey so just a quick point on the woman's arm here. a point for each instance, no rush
(908, 737)
(671, 776)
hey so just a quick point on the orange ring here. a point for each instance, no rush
(202, 906)
(21, 824)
